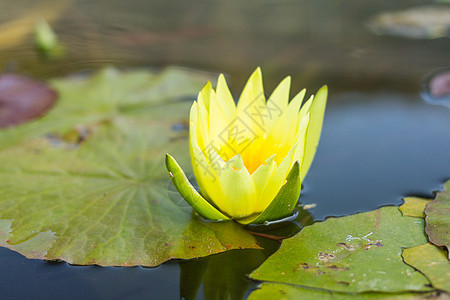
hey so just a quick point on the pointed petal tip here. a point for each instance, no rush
(170, 163)
(287, 80)
(168, 158)
(257, 72)
(324, 89)
(207, 87)
(296, 167)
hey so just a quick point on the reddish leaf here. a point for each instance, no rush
(23, 99)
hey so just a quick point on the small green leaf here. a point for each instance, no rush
(438, 221)
(432, 262)
(357, 253)
(47, 41)
(190, 194)
(284, 202)
(414, 207)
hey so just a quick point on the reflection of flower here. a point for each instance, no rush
(249, 159)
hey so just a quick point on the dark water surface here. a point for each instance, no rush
(380, 140)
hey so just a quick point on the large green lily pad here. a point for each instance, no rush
(431, 261)
(357, 253)
(438, 221)
(87, 184)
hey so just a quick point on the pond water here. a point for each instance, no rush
(380, 140)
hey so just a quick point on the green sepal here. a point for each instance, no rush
(190, 194)
(284, 202)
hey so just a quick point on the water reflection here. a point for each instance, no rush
(225, 275)
(222, 276)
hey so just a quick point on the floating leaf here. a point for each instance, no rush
(422, 22)
(23, 99)
(432, 262)
(87, 183)
(285, 292)
(438, 221)
(357, 253)
(414, 207)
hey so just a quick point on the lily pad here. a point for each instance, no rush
(357, 253)
(414, 207)
(422, 22)
(286, 292)
(86, 184)
(432, 262)
(438, 221)
(23, 99)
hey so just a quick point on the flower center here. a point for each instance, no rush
(255, 153)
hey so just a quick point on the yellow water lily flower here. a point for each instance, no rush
(249, 159)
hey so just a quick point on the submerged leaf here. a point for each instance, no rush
(87, 183)
(357, 253)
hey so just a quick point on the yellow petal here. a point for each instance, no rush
(203, 97)
(225, 98)
(301, 140)
(202, 125)
(208, 146)
(251, 107)
(238, 189)
(204, 171)
(262, 176)
(283, 130)
(276, 181)
(278, 102)
(317, 111)
(292, 115)
(218, 123)
(304, 110)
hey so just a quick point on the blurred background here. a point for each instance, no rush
(350, 45)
